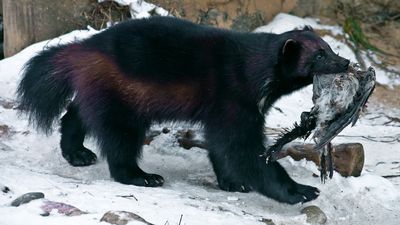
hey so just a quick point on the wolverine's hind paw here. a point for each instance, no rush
(81, 157)
(145, 180)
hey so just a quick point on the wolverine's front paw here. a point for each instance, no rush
(81, 157)
(302, 193)
(231, 186)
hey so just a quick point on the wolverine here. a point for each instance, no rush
(117, 83)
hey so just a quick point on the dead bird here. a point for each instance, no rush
(338, 100)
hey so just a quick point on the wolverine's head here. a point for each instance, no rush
(305, 54)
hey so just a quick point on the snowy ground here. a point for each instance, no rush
(30, 161)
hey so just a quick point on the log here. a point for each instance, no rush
(187, 143)
(348, 158)
(30, 21)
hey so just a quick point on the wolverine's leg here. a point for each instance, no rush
(235, 147)
(234, 144)
(72, 137)
(121, 135)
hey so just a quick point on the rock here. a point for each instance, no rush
(165, 130)
(7, 104)
(25, 198)
(307, 8)
(45, 214)
(61, 208)
(248, 22)
(5, 130)
(348, 158)
(122, 218)
(5, 189)
(214, 17)
(314, 215)
(267, 221)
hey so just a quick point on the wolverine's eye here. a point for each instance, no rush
(320, 57)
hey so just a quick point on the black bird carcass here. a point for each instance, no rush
(338, 100)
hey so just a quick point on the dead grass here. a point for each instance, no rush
(105, 12)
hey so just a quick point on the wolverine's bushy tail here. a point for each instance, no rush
(45, 88)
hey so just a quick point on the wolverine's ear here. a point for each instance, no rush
(290, 47)
(308, 27)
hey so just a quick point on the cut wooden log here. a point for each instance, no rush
(188, 143)
(348, 158)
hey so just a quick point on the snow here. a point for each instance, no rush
(30, 161)
(141, 9)
(284, 22)
(383, 77)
